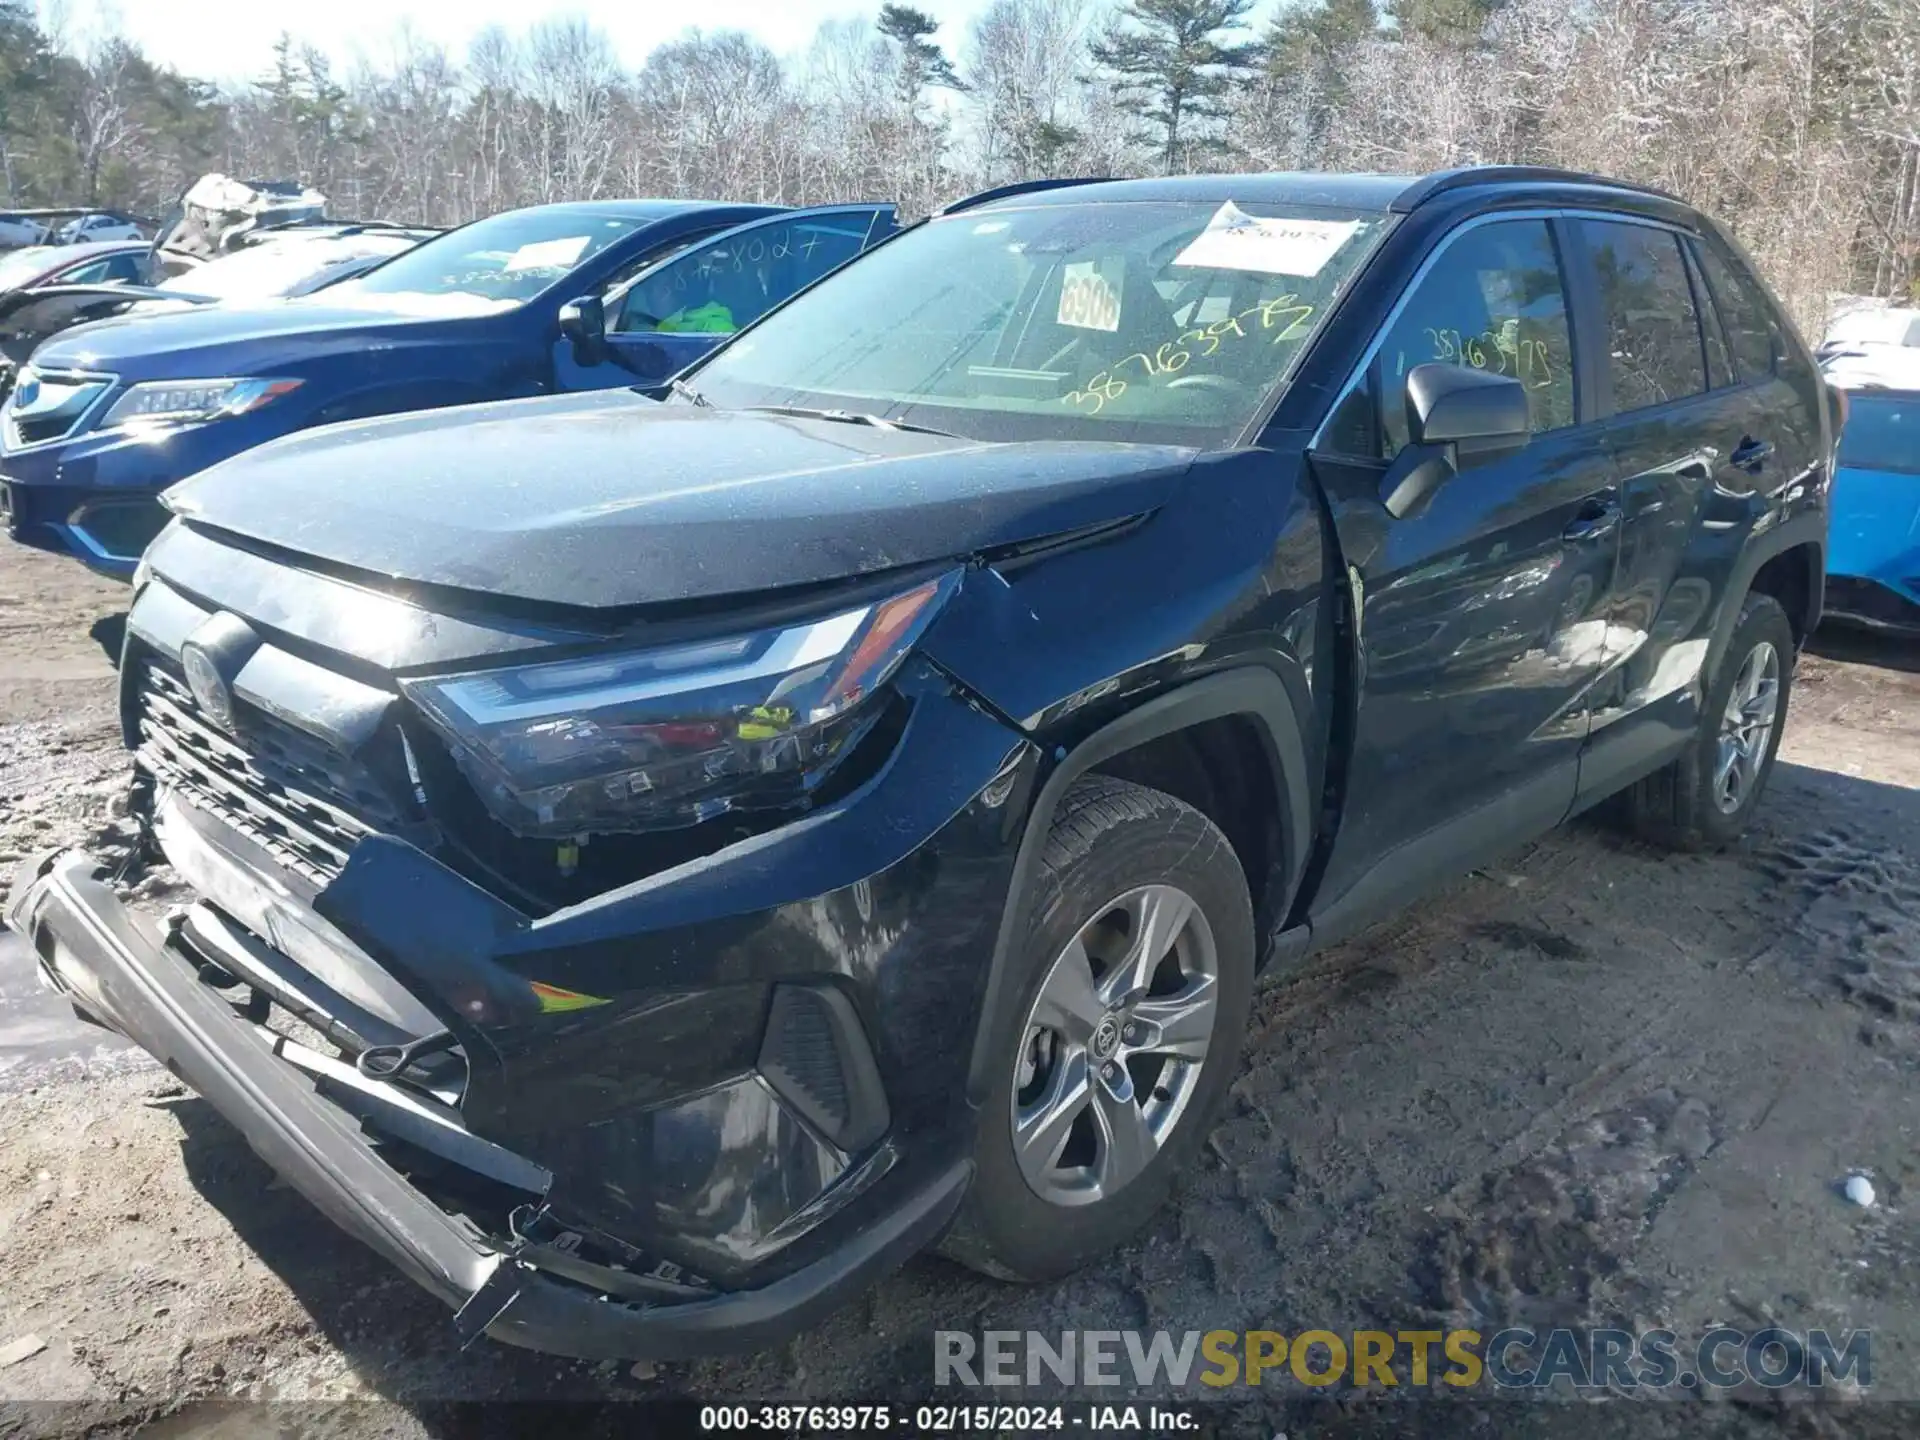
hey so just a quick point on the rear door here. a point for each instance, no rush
(1701, 428)
(1481, 618)
(673, 313)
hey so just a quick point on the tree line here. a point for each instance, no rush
(1797, 121)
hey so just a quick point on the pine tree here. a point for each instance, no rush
(1457, 22)
(1315, 31)
(1306, 50)
(26, 79)
(1173, 66)
(922, 61)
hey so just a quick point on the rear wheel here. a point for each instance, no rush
(1704, 799)
(1137, 972)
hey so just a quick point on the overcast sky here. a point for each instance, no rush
(232, 40)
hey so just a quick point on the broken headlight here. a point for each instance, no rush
(651, 739)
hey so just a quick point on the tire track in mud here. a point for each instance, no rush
(1857, 933)
(1549, 1241)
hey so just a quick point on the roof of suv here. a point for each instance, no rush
(642, 209)
(1350, 191)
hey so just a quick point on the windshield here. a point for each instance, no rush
(505, 259)
(17, 265)
(1882, 432)
(1157, 321)
(272, 269)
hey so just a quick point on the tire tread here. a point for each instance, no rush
(1093, 807)
(1669, 808)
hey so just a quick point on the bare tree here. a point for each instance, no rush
(1797, 121)
(1025, 65)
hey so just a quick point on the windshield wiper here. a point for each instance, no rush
(852, 417)
(686, 391)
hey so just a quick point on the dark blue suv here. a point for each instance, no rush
(717, 846)
(529, 302)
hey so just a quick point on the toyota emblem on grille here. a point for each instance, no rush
(209, 687)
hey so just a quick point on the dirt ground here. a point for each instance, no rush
(1592, 1085)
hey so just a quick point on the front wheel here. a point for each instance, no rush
(1704, 799)
(1136, 977)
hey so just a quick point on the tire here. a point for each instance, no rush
(1682, 806)
(1116, 852)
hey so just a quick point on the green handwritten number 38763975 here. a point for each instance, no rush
(1528, 361)
(1284, 317)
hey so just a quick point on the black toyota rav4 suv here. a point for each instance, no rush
(661, 860)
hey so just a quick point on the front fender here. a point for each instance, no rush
(376, 400)
(1256, 693)
(1223, 570)
(1205, 609)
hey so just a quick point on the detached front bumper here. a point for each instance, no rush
(94, 950)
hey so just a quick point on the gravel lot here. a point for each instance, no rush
(1592, 1085)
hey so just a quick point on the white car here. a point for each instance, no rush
(99, 227)
(284, 263)
(20, 230)
(1866, 329)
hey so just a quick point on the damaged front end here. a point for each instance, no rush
(641, 1092)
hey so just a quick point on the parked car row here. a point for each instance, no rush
(550, 299)
(48, 287)
(833, 790)
(46, 290)
(19, 228)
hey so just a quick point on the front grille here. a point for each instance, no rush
(44, 407)
(306, 802)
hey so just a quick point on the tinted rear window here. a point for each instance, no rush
(1882, 433)
(1746, 312)
(1653, 331)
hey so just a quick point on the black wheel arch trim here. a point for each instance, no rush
(1252, 692)
(1809, 528)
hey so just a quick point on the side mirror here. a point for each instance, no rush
(1482, 415)
(1456, 418)
(584, 322)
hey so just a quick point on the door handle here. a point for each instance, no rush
(1597, 520)
(1750, 454)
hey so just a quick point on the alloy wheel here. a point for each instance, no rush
(1746, 727)
(1112, 1049)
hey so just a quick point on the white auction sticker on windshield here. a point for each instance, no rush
(1089, 299)
(547, 254)
(1235, 240)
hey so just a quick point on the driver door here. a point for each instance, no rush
(675, 310)
(1481, 619)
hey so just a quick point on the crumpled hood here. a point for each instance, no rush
(235, 334)
(612, 500)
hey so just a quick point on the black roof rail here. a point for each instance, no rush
(1023, 187)
(1441, 181)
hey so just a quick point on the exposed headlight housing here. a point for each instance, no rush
(657, 739)
(180, 402)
